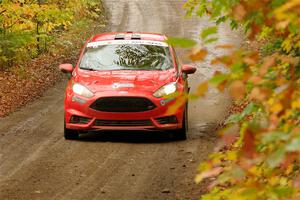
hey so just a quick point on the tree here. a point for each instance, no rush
(262, 160)
(26, 26)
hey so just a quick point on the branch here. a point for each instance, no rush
(3, 11)
(11, 25)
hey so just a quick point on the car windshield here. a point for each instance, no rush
(129, 56)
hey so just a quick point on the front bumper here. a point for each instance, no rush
(81, 108)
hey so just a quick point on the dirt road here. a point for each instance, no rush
(37, 163)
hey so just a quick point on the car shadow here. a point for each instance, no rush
(128, 137)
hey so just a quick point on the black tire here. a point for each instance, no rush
(70, 134)
(181, 134)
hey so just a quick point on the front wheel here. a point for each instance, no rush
(70, 134)
(180, 134)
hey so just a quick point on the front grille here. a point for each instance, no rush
(123, 104)
(123, 123)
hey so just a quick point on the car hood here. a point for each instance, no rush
(150, 81)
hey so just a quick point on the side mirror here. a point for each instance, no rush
(66, 68)
(189, 69)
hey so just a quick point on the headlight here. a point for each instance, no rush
(82, 90)
(166, 90)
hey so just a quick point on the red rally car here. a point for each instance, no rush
(126, 81)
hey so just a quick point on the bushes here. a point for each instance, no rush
(262, 160)
(27, 27)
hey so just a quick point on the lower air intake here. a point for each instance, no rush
(123, 123)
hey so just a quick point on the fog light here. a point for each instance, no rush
(167, 120)
(166, 101)
(79, 120)
(79, 100)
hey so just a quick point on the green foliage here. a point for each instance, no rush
(261, 160)
(217, 79)
(271, 46)
(26, 27)
(182, 42)
(207, 33)
(234, 118)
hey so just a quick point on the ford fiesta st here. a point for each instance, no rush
(125, 81)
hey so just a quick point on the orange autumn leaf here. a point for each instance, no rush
(288, 59)
(248, 148)
(252, 59)
(227, 60)
(255, 29)
(280, 81)
(249, 61)
(215, 61)
(237, 89)
(256, 80)
(247, 75)
(225, 46)
(239, 12)
(268, 62)
(259, 94)
(221, 87)
(199, 55)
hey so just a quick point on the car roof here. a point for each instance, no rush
(128, 36)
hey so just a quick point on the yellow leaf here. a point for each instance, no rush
(232, 155)
(276, 108)
(296, 104)
(180, 101)
(255, 170)
(289, 170)
(287, 45)
(202, 89)
(274, 180)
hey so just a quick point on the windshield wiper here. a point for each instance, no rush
(86, 68)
